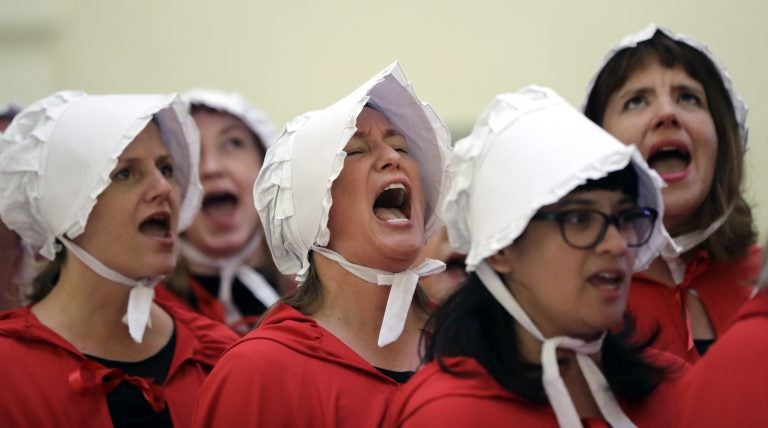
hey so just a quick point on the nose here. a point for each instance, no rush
(389, 158)
(210, 164)
(666, 114)
(159, 186)
(613, 242)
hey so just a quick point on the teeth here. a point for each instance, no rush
(395, 186)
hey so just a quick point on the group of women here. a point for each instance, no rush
(611, 259)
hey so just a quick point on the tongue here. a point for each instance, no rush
(153, 229)
(386, 214)
(220, 209)
(669, 165)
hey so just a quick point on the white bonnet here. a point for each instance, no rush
(632, 40)
(57, 156)
(233, 103)
(530, 149)
(293, 191)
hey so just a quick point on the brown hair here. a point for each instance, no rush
(737, 233)
(44, 281)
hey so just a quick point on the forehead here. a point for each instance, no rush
(149, 142)
(653, 70)
(208, 117)
(369, 117)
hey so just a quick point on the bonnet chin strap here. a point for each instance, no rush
(554, 386)
(679, 245)
(231, 267)
(403, 286)
(140, 298)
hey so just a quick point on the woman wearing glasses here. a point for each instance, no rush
(554, 220)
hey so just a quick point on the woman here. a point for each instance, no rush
(552, 231)
(347, 196)
(729, 385)
(15, 260)
(101, 185)
(667, 95)
(220, 271)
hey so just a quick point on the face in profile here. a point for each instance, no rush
(664, 113)
(377, 216)
(230, 161)
(565, 290)
(132, 228)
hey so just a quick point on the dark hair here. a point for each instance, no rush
(473, 324)
(624, 180)
(196, 108)
(47, 278)
(734, 237)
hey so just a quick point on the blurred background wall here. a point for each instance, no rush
(290, 56)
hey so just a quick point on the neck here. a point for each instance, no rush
(251, 259)
(87, 310)
(659, 271)
(352, 309)
(530, 350)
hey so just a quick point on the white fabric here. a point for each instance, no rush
(554, 386)
(293, 191)
(530, 149)
(10, 109)
(403, 286)
(632, 40)
(233, 103)
(57, 156)
(235, 267)
(56, 159)
(541, 164)
(679, 245)
(139, 300)
(673, 250)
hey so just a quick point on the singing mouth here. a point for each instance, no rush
(157, 225)
(668, 159)
(220, 203)
(393, 204)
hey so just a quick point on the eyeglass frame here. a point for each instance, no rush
(608, 220)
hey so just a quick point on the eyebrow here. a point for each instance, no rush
(391, 132)
(631, 92)
(233, 127)
(583, 202)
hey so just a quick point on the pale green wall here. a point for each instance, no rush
(292, 56)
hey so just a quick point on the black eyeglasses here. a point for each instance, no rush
(585, 228)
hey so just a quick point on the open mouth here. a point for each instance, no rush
(220, 203)
(393, 204)
(669, 159)
(607, 279)
(157, 225)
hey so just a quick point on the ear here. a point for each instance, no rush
(500, 262)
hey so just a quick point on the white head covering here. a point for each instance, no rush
(234, 266)
(56, 159)
(10, 109)
(530, 149)
(233, 103)
(681, 244)
(293, 190)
